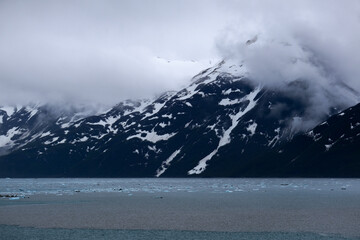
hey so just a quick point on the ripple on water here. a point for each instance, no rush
(15, 233)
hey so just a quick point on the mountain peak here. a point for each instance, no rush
(222, 124)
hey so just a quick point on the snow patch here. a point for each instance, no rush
(45, 134)
(6, 140)
(9, 110)
(109, 121)
(153, 118)
(227, 102)
(60, 120)
(229, 91)
(143, 104)
(186, 125)
(235, 118)
(188, 92)
(65, 125)
(275, 139)
(157, 108)
(226, 138)
(166, 164)
(328, 146)
(62, 141)
(100, 123)
(316, 137)
(51, 141)
(211, 127)
(32, 112)
(162, 124)
(202, 164)
(167, 116)
(151, 136)
(78, 124)
(100, 136)
(252, 128)
(83, 139)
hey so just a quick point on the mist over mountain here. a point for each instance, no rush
(223, 124)
(101, 53)
(190, 88)
(286, 44)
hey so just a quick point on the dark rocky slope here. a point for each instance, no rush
(221, 125)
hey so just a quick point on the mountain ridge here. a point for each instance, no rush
(222, 125)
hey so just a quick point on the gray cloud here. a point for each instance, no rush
(105, 51)
(102, 50)
(316, 42)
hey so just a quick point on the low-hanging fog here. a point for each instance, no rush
(313, 42)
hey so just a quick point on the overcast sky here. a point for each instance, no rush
(105, 51)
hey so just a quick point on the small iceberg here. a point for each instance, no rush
(14, 198)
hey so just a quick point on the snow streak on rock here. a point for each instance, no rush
(273, 142)
(226, 138)
(164, 166)
(6, 140)
(9, 110)
(252, 128)
(151, 136)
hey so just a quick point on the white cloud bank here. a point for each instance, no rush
(316, 43)
(105, 51)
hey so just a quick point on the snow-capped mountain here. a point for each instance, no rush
(330, 149)
(20, 125)
(222, 124)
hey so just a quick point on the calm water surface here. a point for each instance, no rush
(134, 209)
(72, 185)
(19, 233)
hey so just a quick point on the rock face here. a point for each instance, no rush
(221, 125)
(332, 149)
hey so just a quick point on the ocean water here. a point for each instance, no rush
(26, 187)
(21, 233)
(176, 208)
